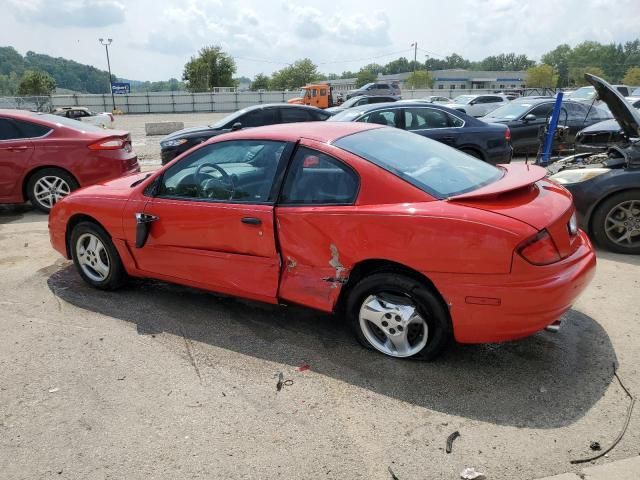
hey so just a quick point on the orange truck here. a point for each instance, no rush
(317, 95)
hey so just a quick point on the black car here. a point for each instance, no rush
(525, 118)
(488, 142)
(362, 100)
(602, 135)
(606, 186)
(268, 114)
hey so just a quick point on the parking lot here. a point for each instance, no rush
(162, 381)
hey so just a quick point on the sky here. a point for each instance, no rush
(152, 39)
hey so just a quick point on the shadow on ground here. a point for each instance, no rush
(22, 213)
(545, 381)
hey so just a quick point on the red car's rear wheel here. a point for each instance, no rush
(399, 316)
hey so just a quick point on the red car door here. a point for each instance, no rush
(315, 205)
(212, 220)
(15, 153)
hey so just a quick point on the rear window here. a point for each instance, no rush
(68, 122)
(439, 170)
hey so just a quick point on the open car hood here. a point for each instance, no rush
(622, 111)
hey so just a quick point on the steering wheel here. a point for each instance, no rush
(226, 181)
(199, 176)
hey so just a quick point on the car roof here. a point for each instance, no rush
(325, 132)
(270, 105)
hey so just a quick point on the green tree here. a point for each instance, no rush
(505, 62)
(559, 59)
(34, 83)
(364, 77)
(541, 76)
(420, 79)
(296, 75)
(576, 75)
(260, 82)
(632, 77)
(210, 68)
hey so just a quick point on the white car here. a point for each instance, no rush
(477, 105)
(82, 114)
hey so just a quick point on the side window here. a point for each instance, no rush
(381, 117)
(323, 92)
(258, 118)
(318, 179)
(31, 130)
(239, 171)
(293, 115)
(314, 92)
(420, 118)
(8, 130)
(542, 111)
(576, 111)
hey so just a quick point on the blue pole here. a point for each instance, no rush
(553, 125)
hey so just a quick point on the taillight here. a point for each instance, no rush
(108, 144)
(507, 134)
(539, 249)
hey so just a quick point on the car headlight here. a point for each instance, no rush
(174, 143)
(578, 175)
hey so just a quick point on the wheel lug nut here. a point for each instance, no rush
(385, 324)
(392, 331)
(387, 315)
(398, 318)
(400, 328)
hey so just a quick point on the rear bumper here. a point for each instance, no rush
(524, 301)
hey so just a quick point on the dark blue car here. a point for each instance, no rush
(486, 141)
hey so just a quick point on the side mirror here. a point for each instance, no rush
(529, 118)
(236, 126)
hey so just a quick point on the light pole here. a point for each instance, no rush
(415, 57)
(106, 47)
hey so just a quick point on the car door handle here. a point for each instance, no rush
(251, 220)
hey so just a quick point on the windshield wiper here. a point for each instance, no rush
(140, 180)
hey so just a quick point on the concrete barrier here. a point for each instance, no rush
(162, 128)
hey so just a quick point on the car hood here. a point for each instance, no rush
(191, 132)
(334, 110)
(622, 111)
(116, 188)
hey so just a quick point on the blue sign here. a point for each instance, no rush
(120, 88)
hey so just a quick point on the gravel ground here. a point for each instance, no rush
(160, 381)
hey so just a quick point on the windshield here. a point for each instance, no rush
(351, 102)
(345, 115)
(510, 111)
(304, 93)
(437, 169)
(229, 118)
(463, 99)
(584, 93)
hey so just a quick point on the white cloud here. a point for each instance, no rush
(64, 13)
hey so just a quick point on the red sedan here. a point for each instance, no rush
(417, 243)
(44, 157)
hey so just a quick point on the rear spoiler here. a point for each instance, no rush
(515, 177)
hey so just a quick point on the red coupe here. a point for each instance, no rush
(417, 243)
(44, 157)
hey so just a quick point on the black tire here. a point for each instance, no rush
(428, 304)
(117, 275)
(599, 223)
(33, 187)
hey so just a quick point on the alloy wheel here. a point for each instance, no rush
(92, 257)
(622, 223)
(50, 189)
(393, 325)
